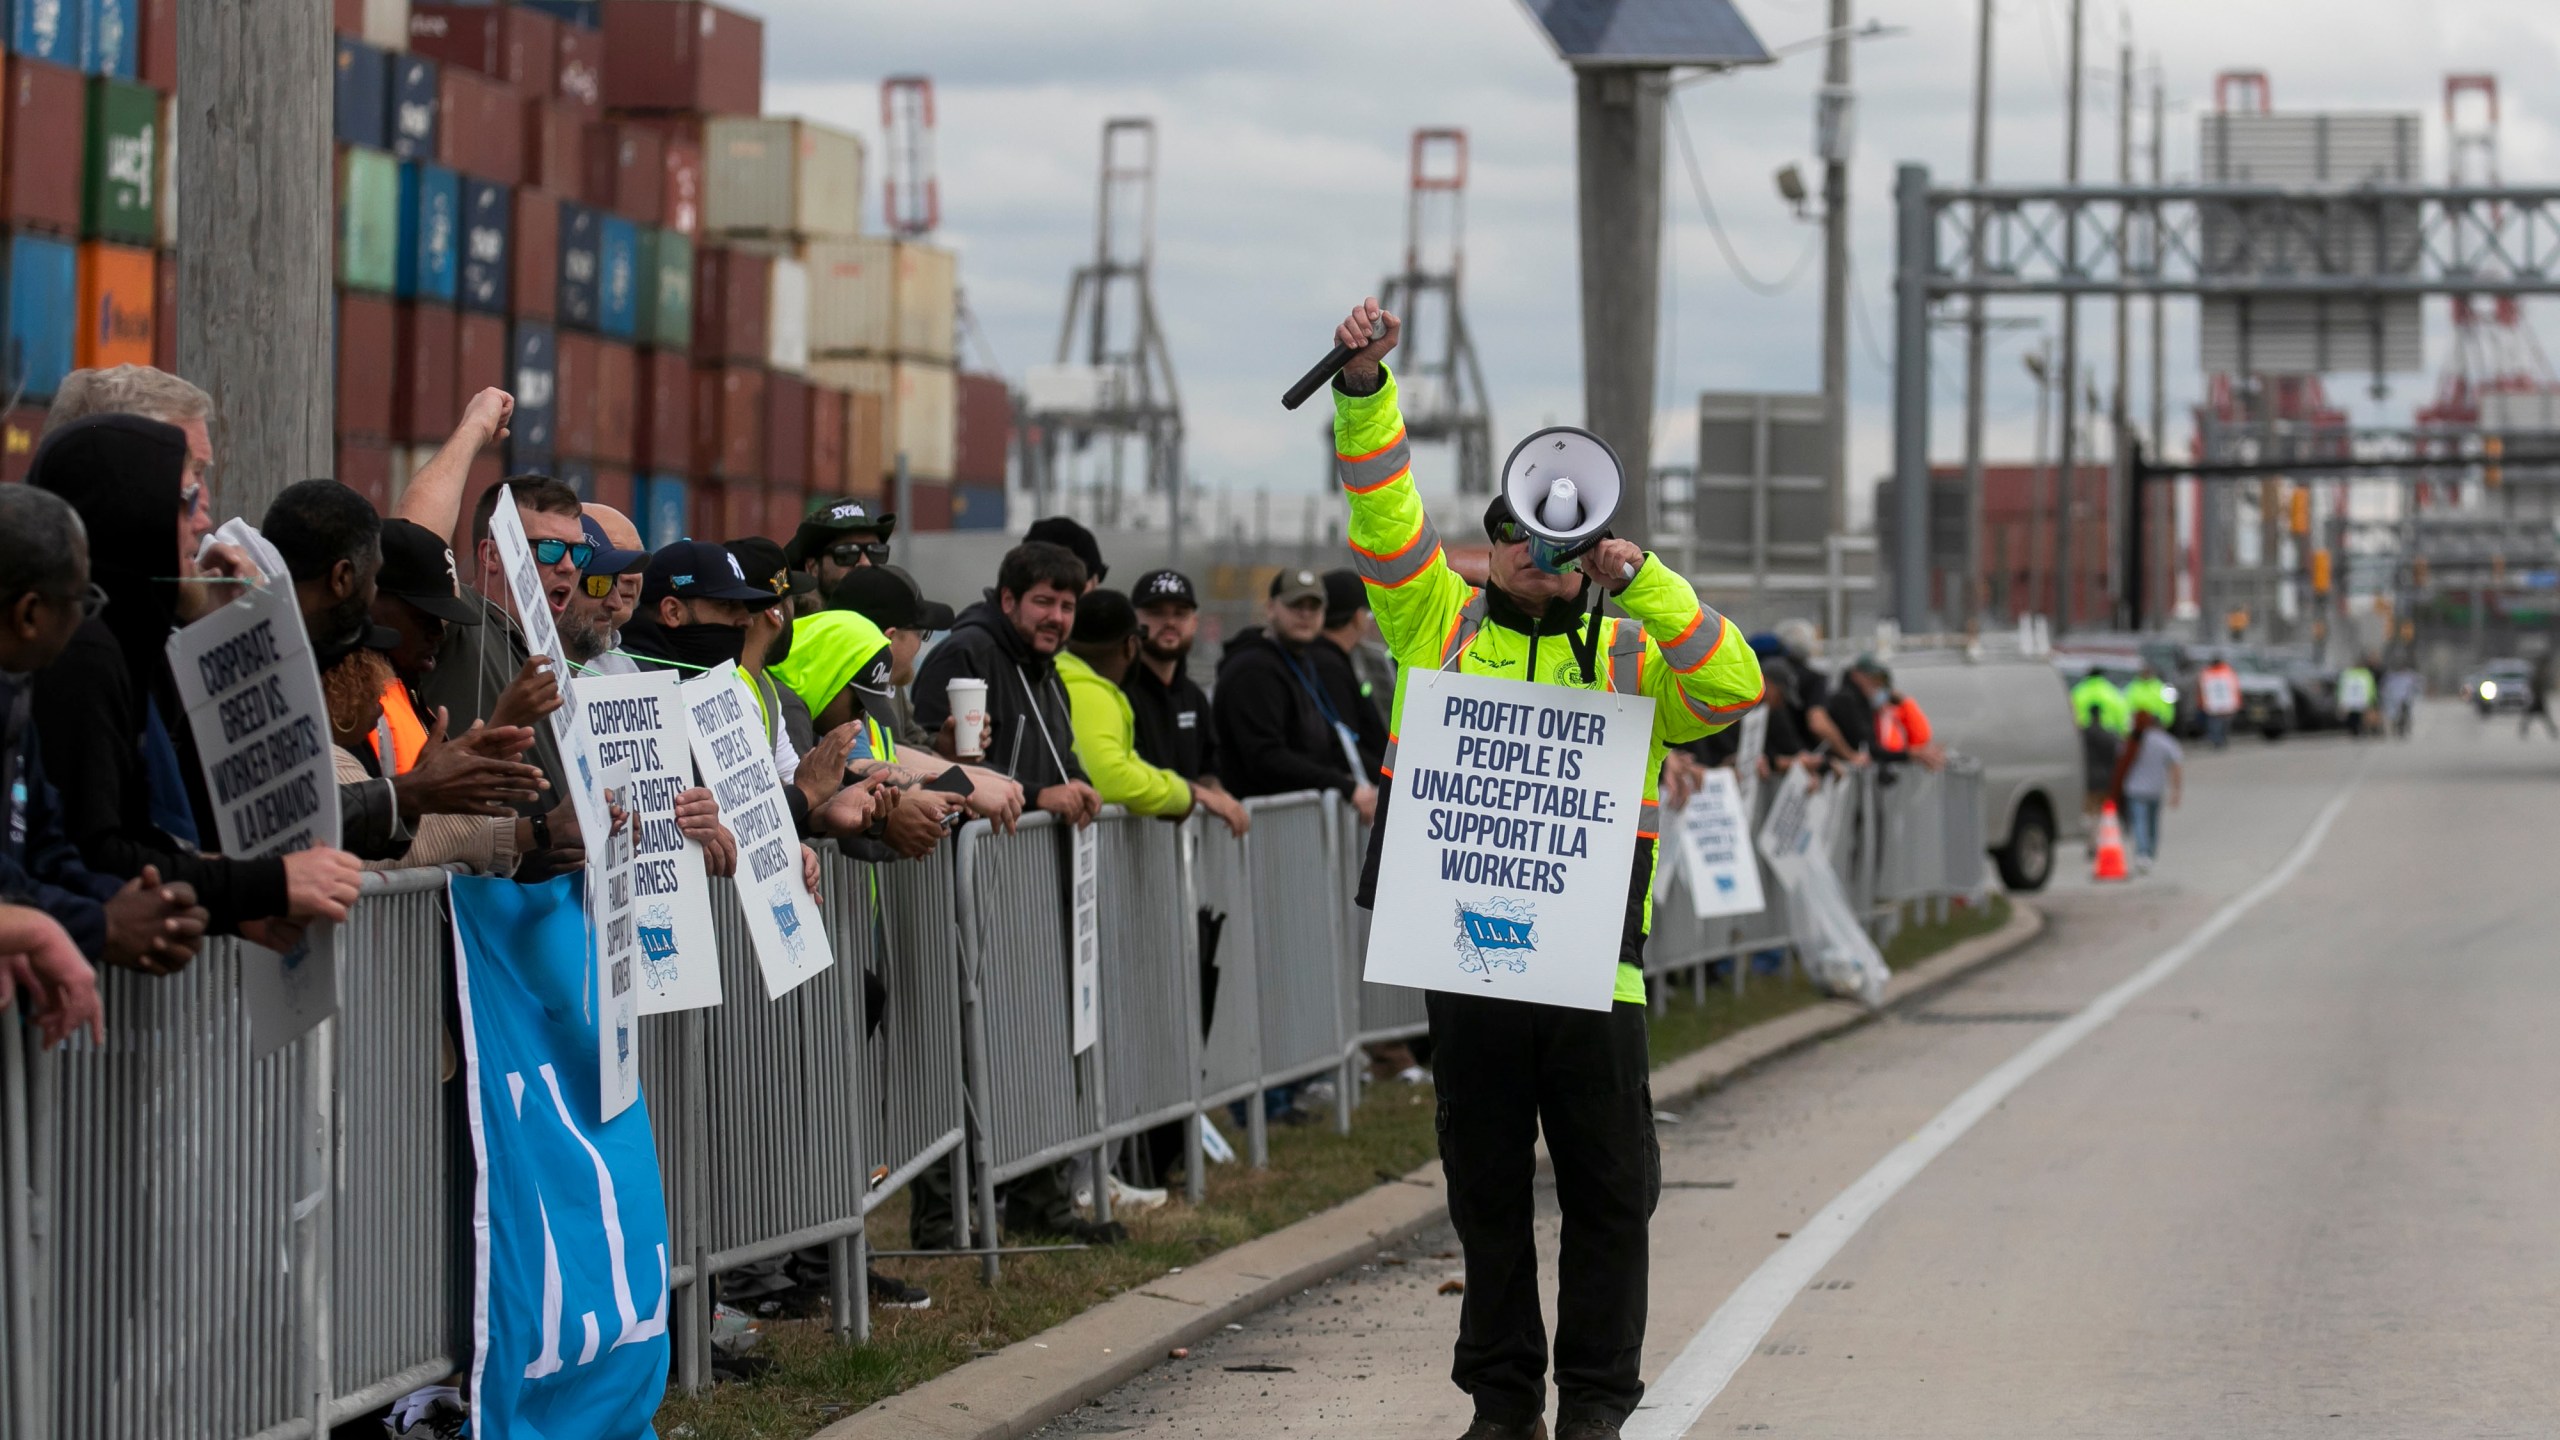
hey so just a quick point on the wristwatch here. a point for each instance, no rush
(541, 832)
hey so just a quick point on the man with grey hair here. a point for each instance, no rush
(44, 595)
(159, 395)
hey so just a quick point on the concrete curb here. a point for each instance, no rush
(1027, 1384)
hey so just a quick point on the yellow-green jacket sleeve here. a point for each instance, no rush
(1697, 665)
(1412, 591)
(1106, 741)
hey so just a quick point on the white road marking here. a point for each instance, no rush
(1707, 1364)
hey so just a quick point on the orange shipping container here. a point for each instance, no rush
(866, 445)
(119, 291)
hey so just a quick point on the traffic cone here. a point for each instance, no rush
(2110, 846)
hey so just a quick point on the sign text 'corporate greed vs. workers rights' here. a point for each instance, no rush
(736, 760)
(1513, 823)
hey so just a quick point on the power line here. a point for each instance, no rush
(1707, 207)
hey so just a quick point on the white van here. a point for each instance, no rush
(2012, 713)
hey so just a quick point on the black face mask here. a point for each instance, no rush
(702, 647)
(781, 646)
(342, 632)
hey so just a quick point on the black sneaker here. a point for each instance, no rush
(1089, 1232)
(1488, 1429)
(891, 1293)
(1587, 1429)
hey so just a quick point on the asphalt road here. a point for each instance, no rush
(2302, 1184)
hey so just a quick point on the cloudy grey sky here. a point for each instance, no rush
(1284, 132)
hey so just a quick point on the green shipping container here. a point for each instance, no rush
(666, 300)
(120, 185)
(368, 220)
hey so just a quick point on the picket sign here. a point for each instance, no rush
(729, 745)
(1724, 878)
(638, 721)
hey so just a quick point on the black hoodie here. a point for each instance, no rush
(1273, 737)
(1035, 738)
(123, 474)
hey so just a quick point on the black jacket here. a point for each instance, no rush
(1035, 738)
(1351, 703)
(1172, 723)
(123, 474)
(1273, 735)
(39, 866)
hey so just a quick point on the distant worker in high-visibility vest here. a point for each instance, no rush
(1903, 731)
(2151, 695)
(1508, 1070)
(2099, 709)
(2218, 696)
(2356, 692)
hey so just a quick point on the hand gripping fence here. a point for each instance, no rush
(203, 1243)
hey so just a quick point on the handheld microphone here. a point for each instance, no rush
(1325, 369)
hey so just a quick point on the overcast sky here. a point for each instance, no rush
(1284, 132)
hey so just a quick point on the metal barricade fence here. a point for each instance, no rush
(1150, 1036)
(1298, 945)
(918, 1111)
(1230, 989)
(1015, 922)
(1385, 1012)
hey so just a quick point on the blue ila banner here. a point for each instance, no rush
(570, 1216)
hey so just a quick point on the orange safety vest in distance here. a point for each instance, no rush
(398, 737)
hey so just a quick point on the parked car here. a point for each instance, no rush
(2013, 714)
(2502, 684)
(2314, 686)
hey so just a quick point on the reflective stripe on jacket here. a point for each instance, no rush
(1693, 662)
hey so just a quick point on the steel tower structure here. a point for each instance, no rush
(910, 190)
(1438, 382)
(2496, 358)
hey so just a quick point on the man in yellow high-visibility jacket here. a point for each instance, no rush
(1507, 1069)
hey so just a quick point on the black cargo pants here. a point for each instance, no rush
(1504, 1071)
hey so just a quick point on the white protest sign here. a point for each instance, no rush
(1085, 994)
(1724, 878)
(261, 724)
(614, 941)
(1754, 741)
(1509, 844)
(729, 744)
(541, 637)
(638, 721)
(1838, 952)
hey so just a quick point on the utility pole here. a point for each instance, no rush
(1831, 135)
(2120, 496)
(2168, 528)
(1970, 603)
(2070, 460)
(254, 243)
(1618, 150)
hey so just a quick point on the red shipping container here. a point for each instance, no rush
(481, 359)
(367, 331)
(613, 489)
(364, 466)
(481, 129)
(985, 430)
(19, 431)
(575, 381)
(164, 335)
(555, 146)
(728, 422)
(826, 441)
(866, 445)
(662, 415)
(347, 17)
(42, 121)
(424, 408)
(732, 304)
(786, 431)
(579, 81)
(159, 42)
(617, 401)
(534, 251)
(513, 43)
(485, 472)
(706, 510)
(627, 171)
(680, 209)
(682, 55)
(929, 508)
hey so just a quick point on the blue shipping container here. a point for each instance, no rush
(977, 507)
(430, 232)
(578, 475)
(618, 280)
(364, 95)
(535, 433)
(50, 30)
(44, 316)
(581, 232)
(111, 38)
(662, 503)
(577, 12)
(414, 107)
(484, 271)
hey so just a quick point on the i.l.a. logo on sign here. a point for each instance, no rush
(1496, 933)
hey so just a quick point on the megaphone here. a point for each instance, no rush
(1563, 485)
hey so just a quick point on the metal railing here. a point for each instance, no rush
(203, 1241)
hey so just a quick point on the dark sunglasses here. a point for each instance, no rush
(549, 552)
(1506, 532)
(91, 601)
(597, 586)
(851, 551)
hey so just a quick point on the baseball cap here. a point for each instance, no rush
(607, 560)
(1344, 596)
(1066, 534)
(885, 600)
(699, 570)
(418, 567)
(1291, 586)
(764, 563)
(1164, 587)
(1104, 617)
(833, 518)
(931, 614)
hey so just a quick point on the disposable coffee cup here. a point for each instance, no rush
(969, 717)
